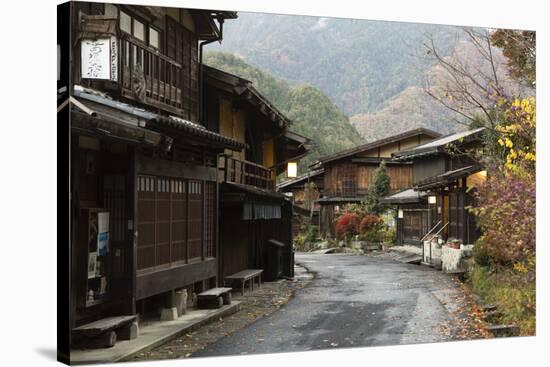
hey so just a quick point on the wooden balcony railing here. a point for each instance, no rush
(150, 77)
(249, 173)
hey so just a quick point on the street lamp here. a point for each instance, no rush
(432, 199)
(400, 214)
(292, 169)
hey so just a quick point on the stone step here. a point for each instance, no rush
(503, 330)
(492, 315)
(488, 307)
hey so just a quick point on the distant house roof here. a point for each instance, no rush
(376, 144)
(140, 117)
(438, 145)
(339, 199)
(300, 178)
(408, 196)
(446, 178)
(296, 209)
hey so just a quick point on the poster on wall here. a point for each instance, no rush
(92, 264)
(103, 244)
(103, 233)
(99, 58)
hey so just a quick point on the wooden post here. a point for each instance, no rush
(133, 231)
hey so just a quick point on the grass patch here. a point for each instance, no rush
(513, 292)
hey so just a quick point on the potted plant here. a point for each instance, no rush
(454, 244)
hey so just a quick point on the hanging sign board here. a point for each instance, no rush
(99, 59)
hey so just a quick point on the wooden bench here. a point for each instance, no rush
(214, 298)
(105, 332)
(244, 276)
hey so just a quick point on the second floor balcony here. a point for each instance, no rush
(247, 173)
(150, 77)
(126, 66)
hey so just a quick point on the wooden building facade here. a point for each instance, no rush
(145, 182)
(445, 173)
(348, 174)
(253, 214)
(304, 192)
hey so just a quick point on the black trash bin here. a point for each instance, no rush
(274, 261)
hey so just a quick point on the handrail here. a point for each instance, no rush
(438, 232)
(442, 228)
(430, 231)
(151, 77)
(149, 49)
(246, 172)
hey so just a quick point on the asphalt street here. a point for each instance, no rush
(353, 301)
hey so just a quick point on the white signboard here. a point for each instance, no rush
(99, 59)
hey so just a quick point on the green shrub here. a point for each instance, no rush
(306, 239)
(390, 235)
(481, 253)
(513, 292)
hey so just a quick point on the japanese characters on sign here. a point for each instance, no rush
(99, 59)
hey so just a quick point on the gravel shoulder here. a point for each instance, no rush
(264, 301)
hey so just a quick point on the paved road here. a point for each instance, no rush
(353, 301)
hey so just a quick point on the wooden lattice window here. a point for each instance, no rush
(347, 180)
(176, 220)
(195, 203)
(453, 215)
(146, 221)
(210, 218)
(178, 228)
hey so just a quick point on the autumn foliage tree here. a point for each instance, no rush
(347, 226)
(519, 48)
(506, 203)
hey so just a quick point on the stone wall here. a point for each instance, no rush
(451, 259)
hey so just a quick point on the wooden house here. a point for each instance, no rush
(304, 191)
(444, 174)
(253, 214)
(144, 166)
(348, 174)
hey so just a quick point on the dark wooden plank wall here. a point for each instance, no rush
(428, 167)
(351, 179)
(243, 243)
(103, 179)
(176, 219)
(327, 216)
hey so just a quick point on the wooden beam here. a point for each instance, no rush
(156, 282)
(162, 167)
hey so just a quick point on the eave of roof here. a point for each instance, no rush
(339, 199)
(296, 209)
(300, 139)
(146, 116)
(446, 178)
(199, 131)
(375, 144)
(407, 196)
(205, 18)
(438, 145)
(301, 178)
(256, 191)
